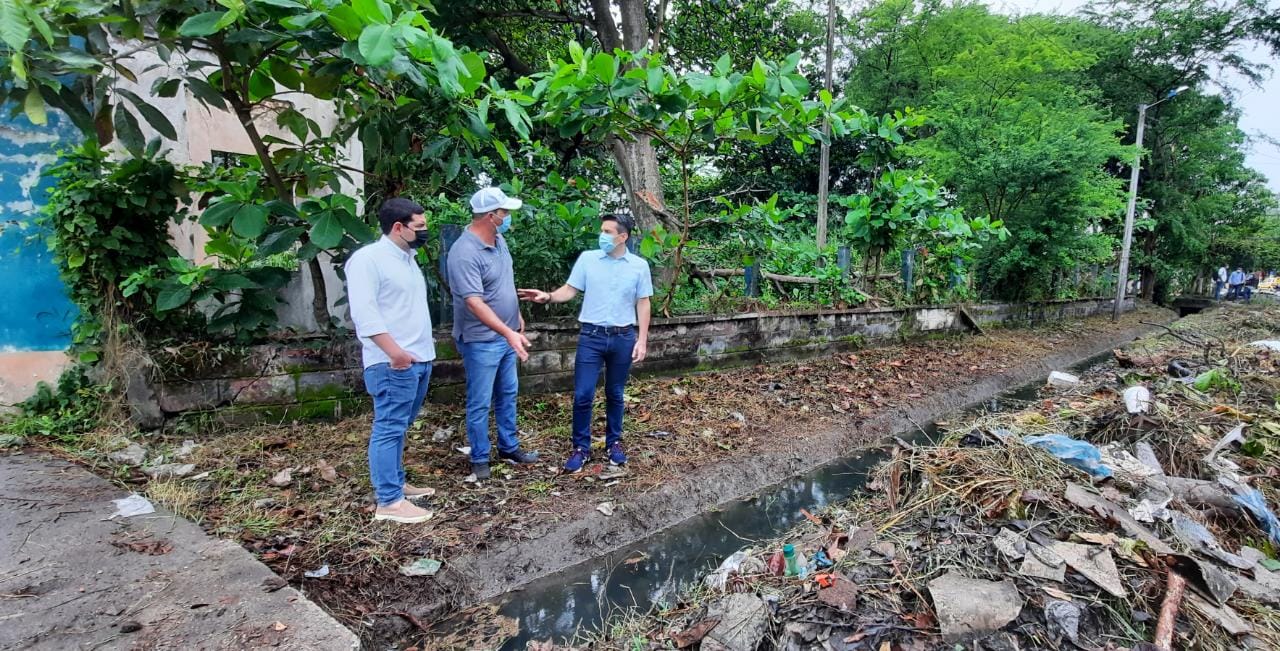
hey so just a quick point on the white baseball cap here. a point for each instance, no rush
(491, 199)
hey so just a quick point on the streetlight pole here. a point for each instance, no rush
(824, 164)
(1122, 279)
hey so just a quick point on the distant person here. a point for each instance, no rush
(1236, 281)
(1251, 285)
(1219, 281)
(488, 327)
(388, 297)
(616, 286)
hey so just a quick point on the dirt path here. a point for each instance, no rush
(71, 578)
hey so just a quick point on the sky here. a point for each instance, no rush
(1259, 105)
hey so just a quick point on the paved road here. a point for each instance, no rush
(70, 578)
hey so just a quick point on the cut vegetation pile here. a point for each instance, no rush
(1076, 522)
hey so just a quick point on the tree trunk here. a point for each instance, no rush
(638, 166)
(1148, 275)
(636, 159)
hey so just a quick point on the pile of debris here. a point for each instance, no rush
(1128, 508)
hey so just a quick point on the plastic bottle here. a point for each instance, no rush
(794, 568)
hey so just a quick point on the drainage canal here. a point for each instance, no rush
(651, 571)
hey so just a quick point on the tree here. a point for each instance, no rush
(376, 60)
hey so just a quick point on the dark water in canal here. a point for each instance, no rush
(581, 597)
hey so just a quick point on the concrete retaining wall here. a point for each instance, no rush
(322, 379)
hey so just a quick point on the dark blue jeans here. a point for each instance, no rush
(397, 398)
(491, 383)
(598, 347)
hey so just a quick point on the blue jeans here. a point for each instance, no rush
(491, 382)
(597, 347)
(397, 398)
(1217, 289)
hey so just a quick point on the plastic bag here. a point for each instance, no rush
(1078, 454)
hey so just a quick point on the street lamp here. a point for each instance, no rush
(1122, 281)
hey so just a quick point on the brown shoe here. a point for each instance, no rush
(413, 492)
(402, 512)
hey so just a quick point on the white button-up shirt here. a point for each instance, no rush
(387, 293)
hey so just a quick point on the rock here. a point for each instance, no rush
(421, 567)
(743, 620)
(282, 478)
(1042, 563)
(169, 470)
(264, 503)
(885, 549)
(442, 434)
(966, 606)
(605, 508)
(1063, 380)
(1010, 544)
(842, 595)
(132, 455)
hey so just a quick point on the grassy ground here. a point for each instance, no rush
(936, 508)
(321, 515)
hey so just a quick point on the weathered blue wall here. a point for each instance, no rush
(37, 312)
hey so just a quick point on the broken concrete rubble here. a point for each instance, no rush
(743, 620)
(967, 606)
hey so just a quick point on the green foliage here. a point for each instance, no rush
(63, 413)
(103, 222)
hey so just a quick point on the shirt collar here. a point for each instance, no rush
(386, 241)
(604, 255)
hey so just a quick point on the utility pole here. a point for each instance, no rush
(1122, 280)
(824, 165)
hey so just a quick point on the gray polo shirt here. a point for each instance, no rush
(477, 269)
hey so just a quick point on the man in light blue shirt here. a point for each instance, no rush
(1236, 282)
(616, 287)
(388, 298)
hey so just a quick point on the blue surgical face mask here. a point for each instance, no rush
(606, 242)
(506, 224)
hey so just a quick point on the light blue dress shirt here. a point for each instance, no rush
(388, 293)
(610, 287)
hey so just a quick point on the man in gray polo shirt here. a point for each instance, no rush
(488, 327)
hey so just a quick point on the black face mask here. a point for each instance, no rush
(419, 240)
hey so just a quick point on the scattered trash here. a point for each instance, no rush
(795, 563)
(1236, 435)
(1127, 466)
(1211, 581)
(1147, 511)
(1252, 499)
(1094, 563)
(1065, 616)
(694, 634)
(1200, 538)
(1147, 456)
(1223, 616)
(465, 450)
(966, 606)
(1010, 544)
(1215, 381)
(442, 434)
(421, 567)
(1137, 399)
(317, 574)
(1042, 563)
(145, 545)
(1078, 454)
(1178, 368)
(188, 448)
(1091, 503)
(605, 508)
(279, 627)
(718, 579)
(1063, 380)
(132, 505)
(1269, 344)
(282, 478)
(132, 455)
(471, 479)
(660, 434)
(169, 470)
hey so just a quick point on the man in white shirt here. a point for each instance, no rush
(1219, 282)
(388, 298)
